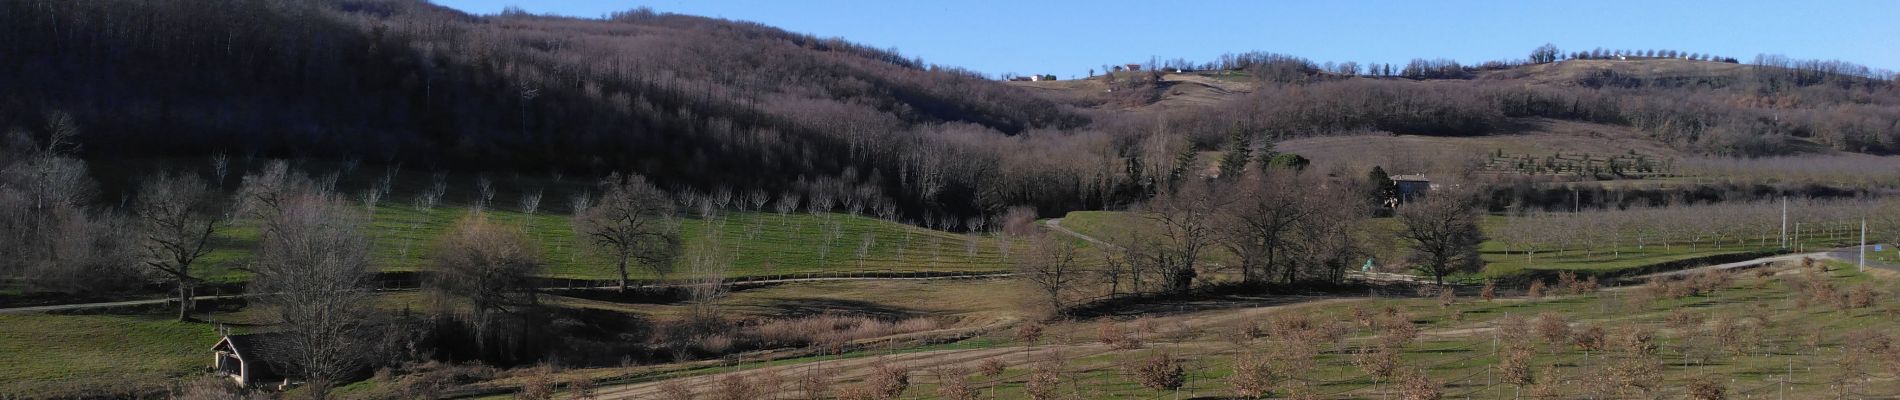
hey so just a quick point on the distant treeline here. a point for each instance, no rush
(1524, 196)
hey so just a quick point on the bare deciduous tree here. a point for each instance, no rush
(1053, 267)
(486, 267)
(707, 265)
(177, 215)
(484, 192)
(1185, 225)
(311, 269)
(1444, 234)
(634, 222)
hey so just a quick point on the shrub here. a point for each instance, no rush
(1707, 388)
(1293, 323)
(1635, 340)
(1148, 325)
(1397, 331)
(857, 392)
(582, 388)
(1536, 290)
(1159, 372)
(1553, 328)
(770, 381)
(1681, 319)
(1545, 386)
(1514, 366)
(539, 386)
(1254, 376)
(1353, 311)
(888, 381)
(734, 387)
(1113, 336)
(1490, 291)
(991, 367)
(675, 390)
(1710, 280)
(1415, 385)
(1378, 362)
(1045, 380)
(1862, 296)
(1567, 281)
(1658, 288)
(814, 383)
(1029, 333)
(1590, 338)
(1511, 327)
(954, 384)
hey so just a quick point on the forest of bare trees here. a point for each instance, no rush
(697, 103)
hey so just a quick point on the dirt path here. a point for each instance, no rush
(110, 304)
(1055, 224)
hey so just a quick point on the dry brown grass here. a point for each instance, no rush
(830, 330)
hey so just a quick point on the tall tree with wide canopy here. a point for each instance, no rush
(1444, 233)
(633, 221)
(177, 215)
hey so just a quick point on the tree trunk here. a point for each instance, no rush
(622, 265)
(184, 299)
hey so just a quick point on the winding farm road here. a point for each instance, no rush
(1055, 224)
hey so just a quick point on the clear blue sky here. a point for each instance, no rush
(1069, 37)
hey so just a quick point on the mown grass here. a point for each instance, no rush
(73, 355)
(1500, 260)
(756, 244)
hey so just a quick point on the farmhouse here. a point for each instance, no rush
(1411, 186)
(253, 359)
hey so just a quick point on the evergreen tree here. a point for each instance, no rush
(1288, 161)
(1383, 188)
(1239, 151)
(1183, 165)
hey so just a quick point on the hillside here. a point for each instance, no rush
(710, 104)
(689, 101)
(1656, 106)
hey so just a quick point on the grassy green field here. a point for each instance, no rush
(758, 244)
(1500, 260)
(68, 355)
